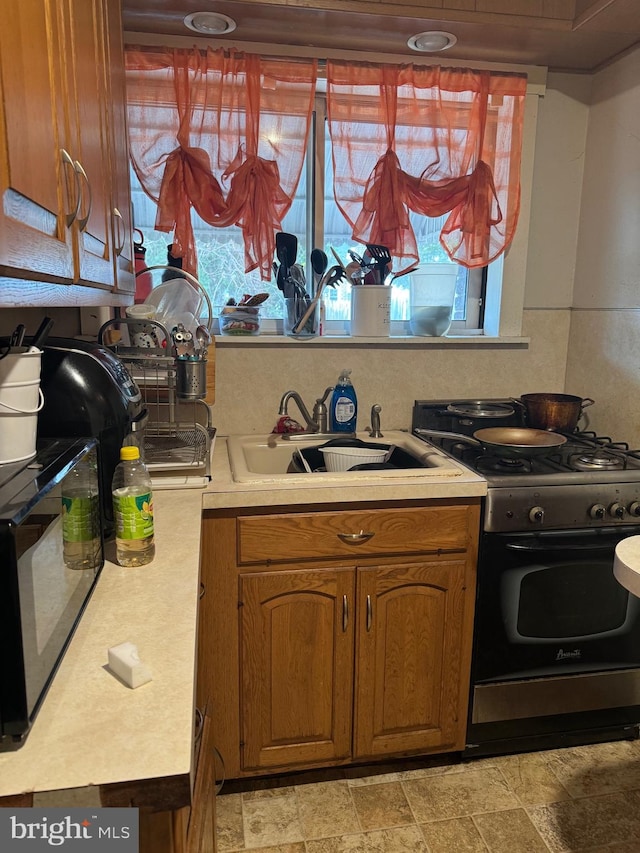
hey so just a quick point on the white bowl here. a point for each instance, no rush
(343, 458)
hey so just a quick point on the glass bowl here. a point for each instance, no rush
(239, 319)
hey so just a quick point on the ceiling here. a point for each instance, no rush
(600, 30)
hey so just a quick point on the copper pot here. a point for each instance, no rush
(556, 412)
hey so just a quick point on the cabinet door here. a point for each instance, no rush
(35, 166)
(200, 832)
(121, 224)
(412, 658)
(86, 63)
(296, 658)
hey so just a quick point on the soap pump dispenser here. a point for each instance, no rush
(344, 405)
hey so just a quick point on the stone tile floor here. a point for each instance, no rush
(584, 799)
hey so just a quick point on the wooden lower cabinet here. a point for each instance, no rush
(329, 660)
(190, 829)
(296, 666)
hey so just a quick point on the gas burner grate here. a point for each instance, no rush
(498, 465)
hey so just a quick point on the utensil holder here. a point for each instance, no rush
(295, 309)
(370, 310)
(191, 379)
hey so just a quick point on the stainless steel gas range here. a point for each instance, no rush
(557, 640)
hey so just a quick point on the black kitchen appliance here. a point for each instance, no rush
(556, 657)
(41, 600)
(88, 391)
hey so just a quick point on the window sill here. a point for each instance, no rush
(401, 341)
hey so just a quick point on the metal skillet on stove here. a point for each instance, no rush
(505, 442)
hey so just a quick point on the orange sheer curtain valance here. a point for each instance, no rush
(221, 132)
(430, 140)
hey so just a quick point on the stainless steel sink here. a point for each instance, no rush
(268, 459)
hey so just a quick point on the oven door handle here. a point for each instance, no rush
(512, 546)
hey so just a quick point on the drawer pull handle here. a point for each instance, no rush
(369, 613)
(355, 538)
(345, 613)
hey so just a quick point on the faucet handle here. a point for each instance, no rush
(320, 413)
(325, 394)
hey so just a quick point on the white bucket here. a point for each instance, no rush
(20, 401)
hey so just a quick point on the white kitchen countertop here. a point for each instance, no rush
(94, 730)
(626, 564)
(91, 728)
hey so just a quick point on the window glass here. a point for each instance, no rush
(221, 255)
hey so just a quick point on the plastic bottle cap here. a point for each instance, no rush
(129, 452)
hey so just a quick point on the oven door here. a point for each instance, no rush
(548, 605)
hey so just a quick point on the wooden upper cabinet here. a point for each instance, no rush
(413, 647)
(62, 141)
(120, 212)
(35, 166)
(85, 64)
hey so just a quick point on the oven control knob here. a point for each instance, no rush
(617, 511)
(536, 515)
(634, 508)
(597, 511)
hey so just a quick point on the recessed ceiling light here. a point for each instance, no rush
(432, 41)
(210, 23)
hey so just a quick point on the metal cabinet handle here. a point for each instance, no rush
(201, 593)
(345, 613)
(82, 222)
(369, 613)
(67, 162)
(120, 231)
(355, 538)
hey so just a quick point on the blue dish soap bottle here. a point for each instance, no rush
(344, 405)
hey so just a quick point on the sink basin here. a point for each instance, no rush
(268, 459)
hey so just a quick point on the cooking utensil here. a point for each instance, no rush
(286, 251)
(560, 412)
(356, 257)
(283, 256)
(203, 338)
(505, 442)
(319, 263)
(391, 277)
(337, 257)
(42, 332)
(382, 257)
(256, 299)
(328, 280)
(18, 335)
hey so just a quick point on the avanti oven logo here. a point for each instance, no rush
(74, 829)
(569, 654)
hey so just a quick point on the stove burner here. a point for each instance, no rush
(600, 460)
(498, 465)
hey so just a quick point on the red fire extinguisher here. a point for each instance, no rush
(143, 277)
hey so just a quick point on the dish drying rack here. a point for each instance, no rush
(178, 433)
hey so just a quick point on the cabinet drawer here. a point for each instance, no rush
(271, 538)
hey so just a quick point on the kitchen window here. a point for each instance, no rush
(221, 251)
(315, 218)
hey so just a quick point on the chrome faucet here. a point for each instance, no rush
(317, 423)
